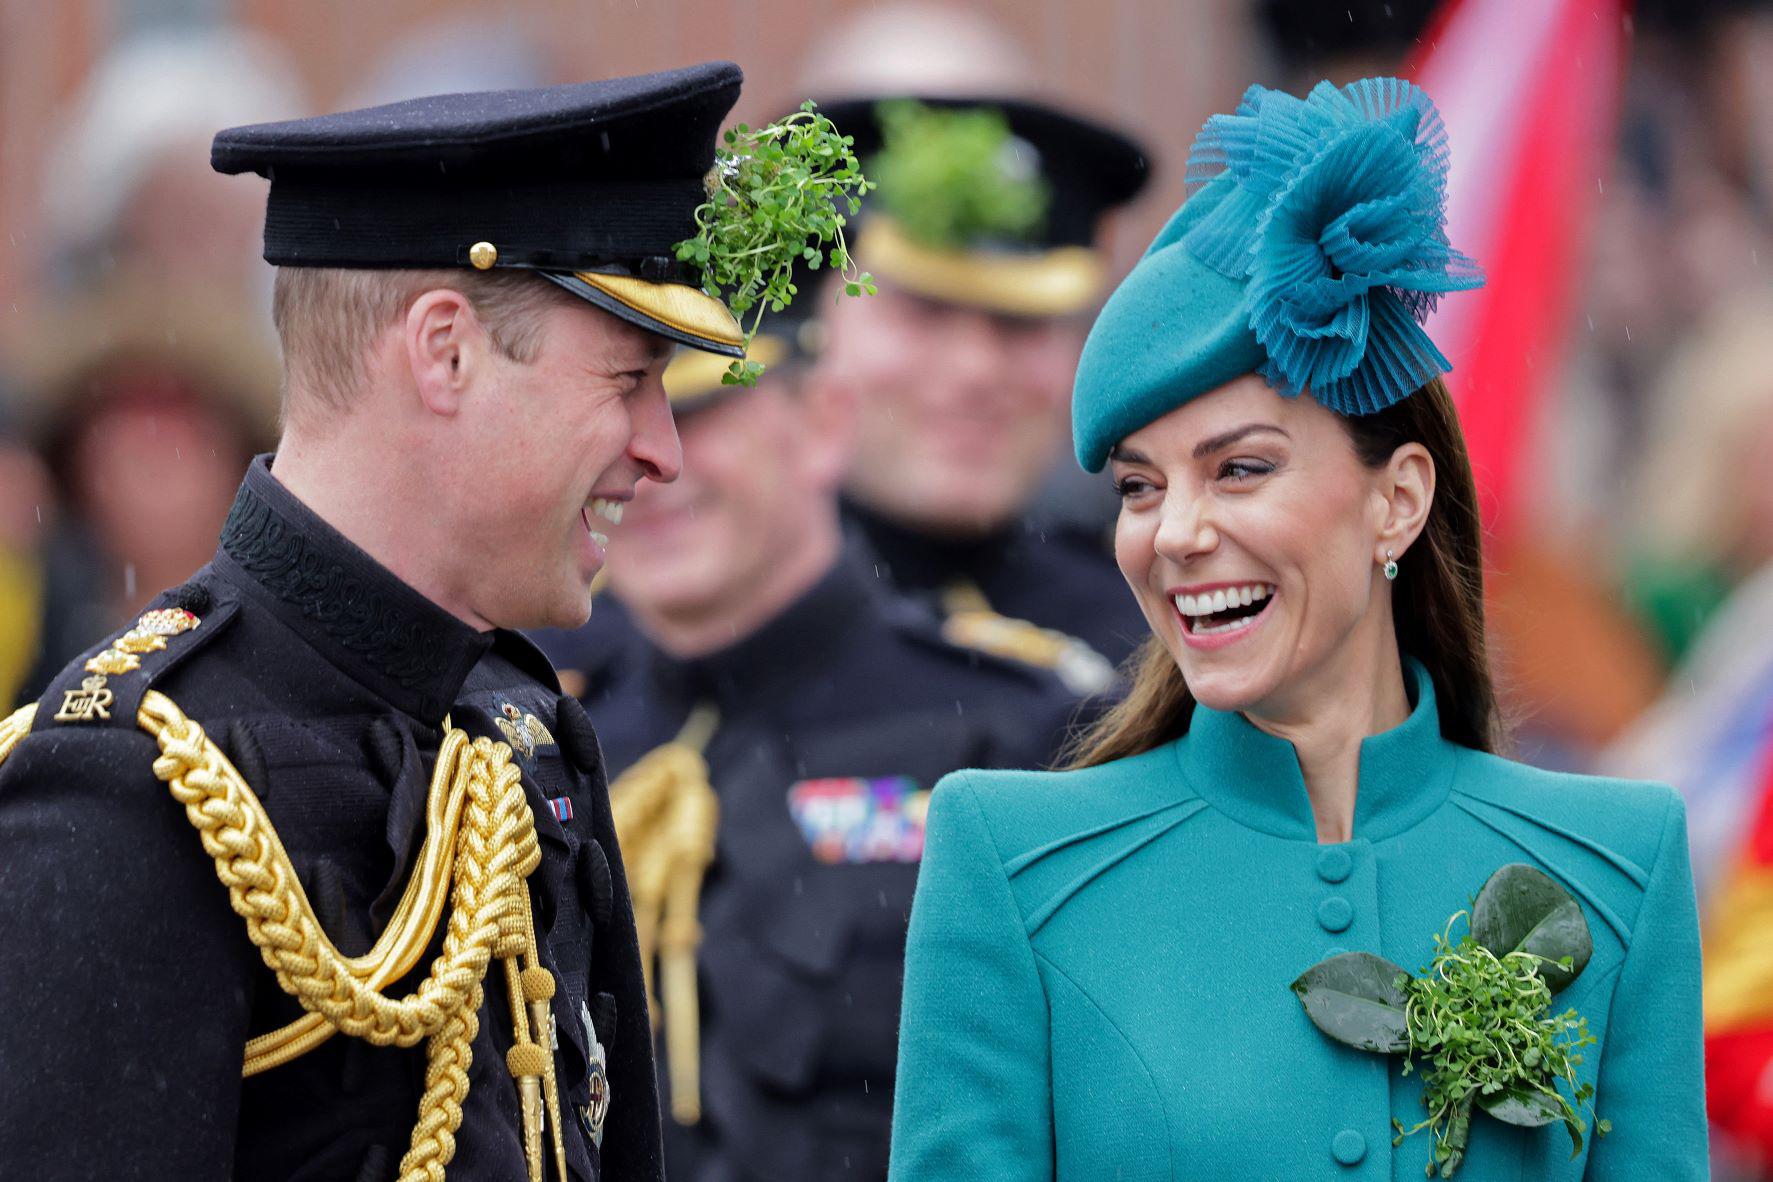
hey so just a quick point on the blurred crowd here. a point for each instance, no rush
(1634, 618)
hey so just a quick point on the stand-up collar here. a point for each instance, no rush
(1254, 777)
(348, 606)
(786, 651)
(921, 562)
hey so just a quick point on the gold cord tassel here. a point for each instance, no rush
(480, 846)
(666, 821)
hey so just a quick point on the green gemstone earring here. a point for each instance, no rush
(1390, 566)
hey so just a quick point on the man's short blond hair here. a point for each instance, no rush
(327, 318)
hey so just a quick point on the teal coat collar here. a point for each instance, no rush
(1254, 777)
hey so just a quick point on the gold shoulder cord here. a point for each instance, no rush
(969, 621)
(480, 842)
(666, 818)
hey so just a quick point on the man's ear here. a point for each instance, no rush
(447, 349)
(1407, 487)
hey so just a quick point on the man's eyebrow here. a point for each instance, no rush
(1224, 439)
(649, 351)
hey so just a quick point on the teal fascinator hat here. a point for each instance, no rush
(1311, 251)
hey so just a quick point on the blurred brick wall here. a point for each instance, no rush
(1156, 66)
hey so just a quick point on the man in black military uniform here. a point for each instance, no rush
(387, 808)
(777, 719)
(966, 354)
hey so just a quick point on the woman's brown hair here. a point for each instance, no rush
(1437, 601)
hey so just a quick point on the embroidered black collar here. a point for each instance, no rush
(353, 610)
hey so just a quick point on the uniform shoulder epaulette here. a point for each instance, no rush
(918, 621)
(105, 686)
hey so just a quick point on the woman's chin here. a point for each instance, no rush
(1225, 685)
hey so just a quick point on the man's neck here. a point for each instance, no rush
(365, 498)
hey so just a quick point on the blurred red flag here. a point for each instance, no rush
(1529, 90)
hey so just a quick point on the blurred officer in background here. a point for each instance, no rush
(773, 726)
(984, 237)
(147, 402)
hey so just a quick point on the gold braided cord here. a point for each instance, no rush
(411, 927)
(14, 727)
(480, 843)
(666, 817)
(264, 891)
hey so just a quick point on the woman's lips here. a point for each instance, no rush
(1227, 635)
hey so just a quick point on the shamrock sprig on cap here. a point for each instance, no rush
(956, 176)
(778, 196)
(1477, 1019)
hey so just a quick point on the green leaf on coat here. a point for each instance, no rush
(1356, 999)
(1522, 910)
(1527, 1109)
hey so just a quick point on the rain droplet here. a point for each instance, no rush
(129, 579)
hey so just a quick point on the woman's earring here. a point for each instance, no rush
(1390, 566)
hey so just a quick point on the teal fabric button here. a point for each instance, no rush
(1334, 864)
(1349, 1147)
(1335, 914)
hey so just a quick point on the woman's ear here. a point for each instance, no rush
(1407, 489)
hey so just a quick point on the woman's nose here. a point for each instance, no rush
(1186, 530)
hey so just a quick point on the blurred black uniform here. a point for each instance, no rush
(1057, 577)
(835, 720)
(131, 987)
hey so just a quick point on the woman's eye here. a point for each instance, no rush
(1243, 469)
(1131, 486)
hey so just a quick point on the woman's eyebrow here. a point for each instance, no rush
(1127, 455)
(1224, 439)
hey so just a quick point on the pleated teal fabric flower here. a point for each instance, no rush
(1312, 251)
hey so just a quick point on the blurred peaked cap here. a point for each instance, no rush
(785, 340)
(1087, 168)
(591, 185)
(916, 48)
(73, 352)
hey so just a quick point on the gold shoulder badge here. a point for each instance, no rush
(525, 732)
(93, 699)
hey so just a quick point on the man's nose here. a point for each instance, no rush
(654, 444)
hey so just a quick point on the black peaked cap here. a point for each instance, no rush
(593, 184)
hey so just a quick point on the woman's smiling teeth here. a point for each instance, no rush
(1230, 602)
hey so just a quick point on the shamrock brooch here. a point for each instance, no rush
(1477, 1019)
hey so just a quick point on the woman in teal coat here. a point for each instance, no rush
(1100, 962)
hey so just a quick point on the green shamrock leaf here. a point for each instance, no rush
(777, 195)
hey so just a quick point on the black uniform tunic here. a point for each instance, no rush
(836, 719)
(130, 987)
(1059, 577)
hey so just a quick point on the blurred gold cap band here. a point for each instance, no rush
(692, 377)
(1053, 282)
(687, 309)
